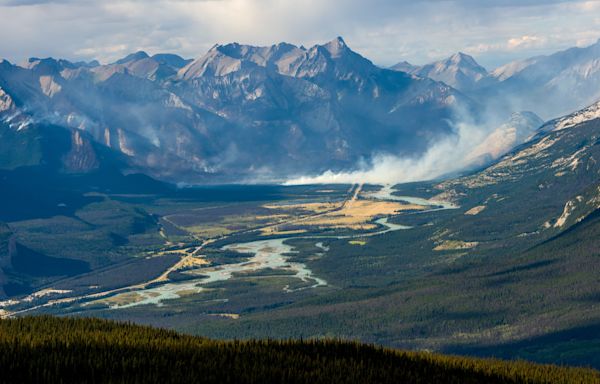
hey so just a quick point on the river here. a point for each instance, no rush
(272, 254)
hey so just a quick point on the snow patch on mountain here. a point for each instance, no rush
(590, 113)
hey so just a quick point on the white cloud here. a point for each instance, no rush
(525, 41)
(386, 31)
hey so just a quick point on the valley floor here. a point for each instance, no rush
(397, 267)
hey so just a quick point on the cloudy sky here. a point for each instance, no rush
(386, 31)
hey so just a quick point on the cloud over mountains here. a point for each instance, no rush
(385, 30)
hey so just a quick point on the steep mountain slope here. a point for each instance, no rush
(460, 71)
(508, 70)
(559, 165)
(238, 111)
(534, 219)
(121, 110)
(76, 227)
(549, 85)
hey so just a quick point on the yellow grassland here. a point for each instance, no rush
(354, 213)
(191, 262)
(357, 242)
(450, 245)
(475, 210)
(318, 207)
(358, 214)
(209, 231)
(186, 292)
(120, 299)
(274, 230)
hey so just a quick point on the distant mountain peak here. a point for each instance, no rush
(139, 55)
(463, 58)
(46, 66)
(38, 60)
(170, 59)
(510, 69)
(460, 70)
(287, 58)
(404, 66)
(336, 46)
(338, 41)
(461, 55)
(235, 50)
(283, 44)
(566, 81)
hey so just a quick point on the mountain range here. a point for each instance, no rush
(550, 86)
(236, 113)
(247, 113)
(460, 71)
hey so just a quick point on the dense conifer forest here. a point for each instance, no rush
(50, 349)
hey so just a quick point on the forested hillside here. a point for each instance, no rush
(48, 349)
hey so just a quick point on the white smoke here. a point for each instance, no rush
(450, 154)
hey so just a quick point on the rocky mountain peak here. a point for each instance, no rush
(336, 47)
(460, 71)
(139, 55)
(45, 66)
(238, 107)
(404, 66)
(170, 59)
(462, 59)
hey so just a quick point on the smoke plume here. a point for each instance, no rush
(450, 154)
